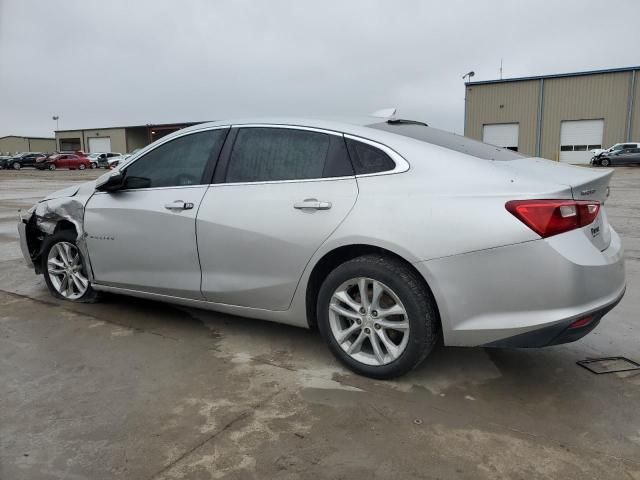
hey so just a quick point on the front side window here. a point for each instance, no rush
(368, 159)
(179, 162)
(271, 154)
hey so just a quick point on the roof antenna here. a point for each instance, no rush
(384, 113)
(500, 68)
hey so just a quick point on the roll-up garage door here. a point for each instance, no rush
(502, 135)
(578, 137)
(99, 145)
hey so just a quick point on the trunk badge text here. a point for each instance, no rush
(588, 192)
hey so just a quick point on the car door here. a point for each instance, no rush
(634, 156)
(622, 157)
(279, 192)
(143, 236)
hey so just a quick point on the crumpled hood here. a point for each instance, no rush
(86, 190)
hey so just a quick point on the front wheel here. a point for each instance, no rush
(17, 166)
(64, 270)
(52, 166)
(82, 166)
(605, 162)
(377, 316)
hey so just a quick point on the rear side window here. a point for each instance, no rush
(271, 154)
(368, 159)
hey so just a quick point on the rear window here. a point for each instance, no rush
(448, 140)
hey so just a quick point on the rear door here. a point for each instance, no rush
(279, 192)
(143, 237)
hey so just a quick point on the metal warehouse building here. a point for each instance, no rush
(114, 139)
(13, 144)
(560, 117)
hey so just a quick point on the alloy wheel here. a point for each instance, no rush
(64, 265)
(52, 166)
(16, 166)
(369, 321)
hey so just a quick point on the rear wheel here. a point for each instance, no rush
(82, 166)
(64, 269)
(52, 166)
(17, 166)
(605, 162)
(377, 316)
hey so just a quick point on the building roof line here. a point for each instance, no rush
(148, 125)
(557, 75)
(26, 136)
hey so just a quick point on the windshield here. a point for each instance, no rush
(448, 140)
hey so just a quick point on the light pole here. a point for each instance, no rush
(468, 76)
(56, 118)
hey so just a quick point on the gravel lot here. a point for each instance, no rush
(132, 389)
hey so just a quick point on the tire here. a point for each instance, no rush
(52, 166)
(93, 165)
(402, 288)
(16, 166)
(54, 246)
(604, 162)
(82, 166)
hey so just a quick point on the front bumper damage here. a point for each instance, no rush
(48, 217)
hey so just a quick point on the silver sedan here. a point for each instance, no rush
(384, 234)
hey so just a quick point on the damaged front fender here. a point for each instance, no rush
(58, 211)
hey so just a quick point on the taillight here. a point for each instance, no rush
(551, 217)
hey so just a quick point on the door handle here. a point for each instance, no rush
(179, 205)
(313, 204)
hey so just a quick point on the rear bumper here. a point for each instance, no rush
(526, 295)
(563, 332)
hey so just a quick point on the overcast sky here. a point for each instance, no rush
(110, 62)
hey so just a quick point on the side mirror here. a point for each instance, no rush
(110, 182)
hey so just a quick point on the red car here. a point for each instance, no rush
(64, 160)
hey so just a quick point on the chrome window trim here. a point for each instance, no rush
(173, 187)
(401, 164)
(142, 153)
(270, 182)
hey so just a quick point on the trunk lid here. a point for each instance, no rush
(585, 184)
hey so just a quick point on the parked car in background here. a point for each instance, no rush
(25, 159)
(625, 156)
(4, 161)
(598, 152)
(101, 159)
(115, 161)
(64, 160)
(382, 234)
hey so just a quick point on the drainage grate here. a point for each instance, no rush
(609, 365)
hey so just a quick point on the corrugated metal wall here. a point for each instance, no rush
(584, 98)
(594, 96)
(635, 117)
(504, 103)
(12, 145)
